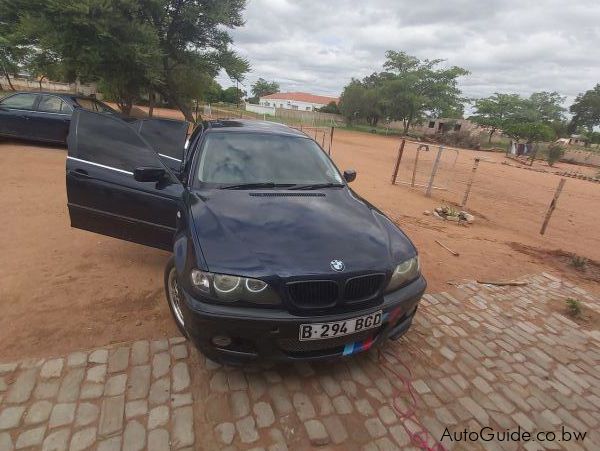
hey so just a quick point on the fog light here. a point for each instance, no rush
(221, 341)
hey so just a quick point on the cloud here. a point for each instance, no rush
(519, 46)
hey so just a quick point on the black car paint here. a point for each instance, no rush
(276, 235)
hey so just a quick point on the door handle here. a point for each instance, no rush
(80, 172)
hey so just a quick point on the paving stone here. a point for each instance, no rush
(10, 417)
(363, 406)
(400, 435)
(159, 345)
(56, 440)
(87, 413)
(342, 405)
(236, 380)
(335, 429)
(20, 390)
(387, 415)
(91, 390)
(31, 437)
(118, 360)
(264, 414)
(98, 356)
(138, 383)
(77, 359)
(179, 352)
(159, 416)
(385, 444)
(475, 409)
(317, 434)
(115, 385)
(69, 387)
(52, 368)
(62, 414)
(38, 412)
(240, 404)
(96, 374)
(218, 382)
(246, 428)
(421, 387)
(7, 367)
(375, 427)
(161, 363)
(225, 433)
(134, 437)
(83, 439)
(304, 407)
(111, 444)
(181, 399)
(181, 376)
(158, 440)
(183, 427)
(46, 389)
(281, 400)
(136, 408)
(330, 385)
(140, 352)
(111, 415)
(323, 404)
(159, 391)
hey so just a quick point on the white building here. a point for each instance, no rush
(301, 101)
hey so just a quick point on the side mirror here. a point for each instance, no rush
(145, 174)
(349, 175)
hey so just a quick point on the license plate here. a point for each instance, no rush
(322, 331)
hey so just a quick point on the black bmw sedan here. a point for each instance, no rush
(43, 116)
(274, 256)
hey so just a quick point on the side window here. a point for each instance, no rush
(52, 104)
(20, 101)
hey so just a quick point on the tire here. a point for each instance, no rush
(174, 298)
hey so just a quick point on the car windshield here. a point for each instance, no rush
(260, 158)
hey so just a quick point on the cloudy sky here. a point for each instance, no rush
(517, 46)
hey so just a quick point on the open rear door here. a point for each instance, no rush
(167, 137)
(102, 193)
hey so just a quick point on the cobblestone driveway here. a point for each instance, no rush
(477, 356)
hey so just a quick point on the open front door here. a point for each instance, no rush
(167, 138)
(102, 193)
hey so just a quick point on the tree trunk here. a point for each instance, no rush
(406, 126)
(490, 137)
(150, 103)
(125, 106)
(40, 81)
(8, 78)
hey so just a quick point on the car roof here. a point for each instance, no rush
(62, 95)
(251, 126)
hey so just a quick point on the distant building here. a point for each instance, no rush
(301, 101)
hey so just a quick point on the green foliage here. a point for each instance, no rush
(232, 95)
(174, 47)
(263, 87)
(528, 131)
(578, 262)
(586, 110)
(573, 307)
(331, 107)
(407, 90)
(555, 153)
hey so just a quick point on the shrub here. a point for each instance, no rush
(555, 153)
(578, 262)
(573, 307)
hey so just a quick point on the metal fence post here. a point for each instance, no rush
(552, 205)
(400, 153)
(466, 197)
(434, 171)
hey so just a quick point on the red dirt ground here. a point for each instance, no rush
(63, 289)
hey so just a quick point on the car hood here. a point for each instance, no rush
(294, 233)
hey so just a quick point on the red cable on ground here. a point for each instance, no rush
(419, 437)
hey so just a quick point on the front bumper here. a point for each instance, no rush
(273, 334)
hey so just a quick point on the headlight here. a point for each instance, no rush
(404, 273)
(228, 288)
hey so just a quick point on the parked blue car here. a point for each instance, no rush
(274, 256)
(43, 116)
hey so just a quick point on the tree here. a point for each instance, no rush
(331, 107)
(547, 106)
(494, 111)
(262, 88)
(232, 95)
(586, 110)
(528, 131)
(407, 90)
(136, 46)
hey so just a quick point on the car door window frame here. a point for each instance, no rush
(67, 113)
(36, 100)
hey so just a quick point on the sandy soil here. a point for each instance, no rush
(63, 289)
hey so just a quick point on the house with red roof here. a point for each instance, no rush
(301, 101)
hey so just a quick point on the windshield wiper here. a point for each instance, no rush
(257, 185)
(319, 185)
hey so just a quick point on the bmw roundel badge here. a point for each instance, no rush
(337, 265)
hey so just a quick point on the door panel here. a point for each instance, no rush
(103, 196)
(167, 138)
(50, 121)
(14, 114)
